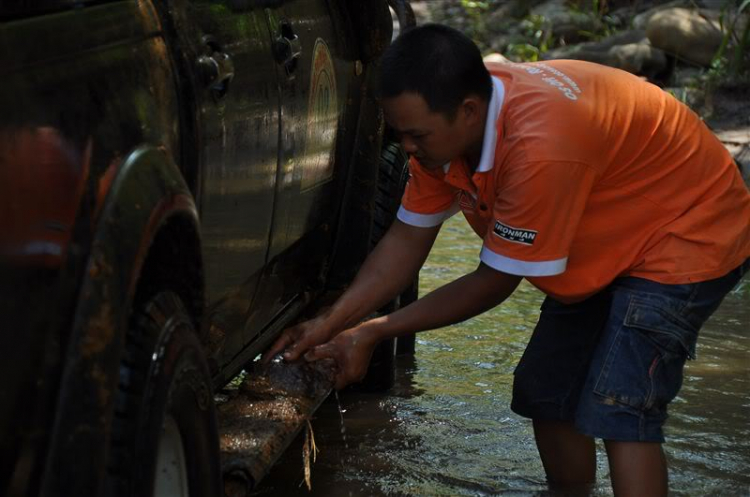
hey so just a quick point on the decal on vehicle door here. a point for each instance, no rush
(317, 164)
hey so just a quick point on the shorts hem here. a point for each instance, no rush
(612, 435)
(552, 412)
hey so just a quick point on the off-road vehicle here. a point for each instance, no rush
(179, 181)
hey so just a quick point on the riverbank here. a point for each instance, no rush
(698, 51)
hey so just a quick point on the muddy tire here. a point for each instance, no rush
(394, 173)
(392, 177)
(164, 436)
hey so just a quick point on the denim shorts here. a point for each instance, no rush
(612, 363)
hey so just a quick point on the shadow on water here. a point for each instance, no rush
(446, 428)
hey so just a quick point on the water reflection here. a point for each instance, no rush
(447, 429)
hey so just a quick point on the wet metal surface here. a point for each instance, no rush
(82, 89)
(107, 121)
(447, 428)
(263, 414)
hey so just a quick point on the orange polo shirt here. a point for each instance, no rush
(588, 173)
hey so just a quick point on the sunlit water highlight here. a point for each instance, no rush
(447, 428)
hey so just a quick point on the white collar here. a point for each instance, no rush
(487, 159)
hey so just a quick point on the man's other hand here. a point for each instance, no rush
(352, 350)
(298, 339)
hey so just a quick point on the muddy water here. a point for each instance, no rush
(447, 429)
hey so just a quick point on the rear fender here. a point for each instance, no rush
(147, 194)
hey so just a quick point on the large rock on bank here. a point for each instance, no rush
(628, 50)
(690, 34)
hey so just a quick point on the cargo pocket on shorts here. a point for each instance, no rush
(643, 367)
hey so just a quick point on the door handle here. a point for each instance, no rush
(287, 48)
(216, 68)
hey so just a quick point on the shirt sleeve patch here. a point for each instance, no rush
(512, 234)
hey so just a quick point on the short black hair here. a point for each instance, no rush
(437, 62)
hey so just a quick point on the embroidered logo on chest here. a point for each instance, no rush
(512, 234)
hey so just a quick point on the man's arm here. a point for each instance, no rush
(457, 301)
(461, 299)
(387, 271)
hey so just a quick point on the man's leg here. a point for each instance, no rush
(636, 371)
(547, 386)
(569, 458)
(637, 469)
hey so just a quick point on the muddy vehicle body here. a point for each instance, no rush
(179, 182)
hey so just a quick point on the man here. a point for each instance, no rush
(602, 191)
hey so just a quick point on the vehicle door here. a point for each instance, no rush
(314, 65)
(225, 51)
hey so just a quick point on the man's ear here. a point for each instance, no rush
(471, 108)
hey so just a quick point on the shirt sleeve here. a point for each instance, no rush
(537, 210)
(428, 200)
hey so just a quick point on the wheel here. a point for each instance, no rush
(392, 177)
(393, 174)
(164, 435)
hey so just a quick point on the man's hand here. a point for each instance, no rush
(296, 340)
(388, 270)
(352, 350)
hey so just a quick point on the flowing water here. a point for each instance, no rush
(446, 427)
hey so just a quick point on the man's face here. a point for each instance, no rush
(427, 135)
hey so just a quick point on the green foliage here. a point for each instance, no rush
(597, 9)
(523, 52)
(471, 5)
(735, 63)
(539, 37)
(476, 14)
(538, 33)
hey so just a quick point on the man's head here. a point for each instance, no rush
(435, 90)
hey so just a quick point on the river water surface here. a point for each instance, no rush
(446, 428)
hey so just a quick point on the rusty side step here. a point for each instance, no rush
(259, 420)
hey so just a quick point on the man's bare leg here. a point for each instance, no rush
(637, 468)
(569, 458)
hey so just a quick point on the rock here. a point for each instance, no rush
(641, 20)
(639, 58)
(513, 9)
(603, 46)
(714, 4)
(629, 50)
(567, 24)
(689, 34)
(421, 12)
(730, 108)
(496, 58)
(695, 98)
(686, 76)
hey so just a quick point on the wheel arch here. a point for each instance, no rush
(174, 261)
(147, 202)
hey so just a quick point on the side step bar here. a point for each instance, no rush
(259, 420)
